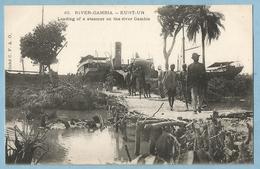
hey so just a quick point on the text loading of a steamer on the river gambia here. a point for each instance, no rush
(100, 14)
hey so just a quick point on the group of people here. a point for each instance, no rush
(192, 80)
(135, 80)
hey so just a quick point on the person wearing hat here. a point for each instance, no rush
(197, 82)
(171, 84)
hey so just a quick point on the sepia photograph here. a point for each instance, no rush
(128, 84)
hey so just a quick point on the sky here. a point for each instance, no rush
(98, 37)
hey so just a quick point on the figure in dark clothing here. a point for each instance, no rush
(147, 89)
(170, 84)
(197, 82)
(140, 81)
(184, 87)
(131, 80)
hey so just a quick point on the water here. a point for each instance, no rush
(80, 146)
(83, 146)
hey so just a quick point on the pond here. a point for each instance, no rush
(84, 146)
(79, 146)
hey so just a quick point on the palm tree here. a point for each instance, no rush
(206, 22)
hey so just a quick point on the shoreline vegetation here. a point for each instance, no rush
(74, 104)
(71, 92)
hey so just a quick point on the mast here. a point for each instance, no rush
(41, 67)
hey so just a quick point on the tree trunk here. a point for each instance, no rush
(165, 53)
(168, 52)
(166, 62)
(203, 51)
(50, 74)
(203, 36)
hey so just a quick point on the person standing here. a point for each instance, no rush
(160, 81)
(197, 82)
(183, 80)
(140, 80)
(170, 84)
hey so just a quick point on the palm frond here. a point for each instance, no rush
(193, 29)
(201, 18)
(213, 25)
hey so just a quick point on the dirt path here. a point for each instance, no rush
(149, 106)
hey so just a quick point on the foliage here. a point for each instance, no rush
(198, 18)
(69, 94)
(171, 19)
(110, 81)
(25, 145)
(240, 86)
(206, 22)
(42, 44)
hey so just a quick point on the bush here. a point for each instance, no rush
(240, 86)
(61, 97)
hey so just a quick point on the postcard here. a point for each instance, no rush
(128, 84)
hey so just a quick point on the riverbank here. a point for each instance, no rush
(148, 106)
(129, 125)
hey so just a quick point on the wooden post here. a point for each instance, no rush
(156, 131)
(137, 138)
(117, 118)
(123, 127)
(168, 123)
(117, 146)
(128, 154)
(153, 124)
(212, 142)
(138, 130)
(144, 122)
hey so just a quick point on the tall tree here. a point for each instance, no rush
(43, 44)
(172, 19)
(205, 22)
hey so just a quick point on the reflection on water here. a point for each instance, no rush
(84, 147)
(91, 148)
(80, 146)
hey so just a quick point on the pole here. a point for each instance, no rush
(183, 45)
(42, 14)
(22, 64)
(41, 69)
(192, 48)
(61, 48)
(138, 138)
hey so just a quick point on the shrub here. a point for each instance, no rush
(240, 86)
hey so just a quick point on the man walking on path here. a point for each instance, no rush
(197, 82)
(160, 82)
(183, 80)
(170, 84)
